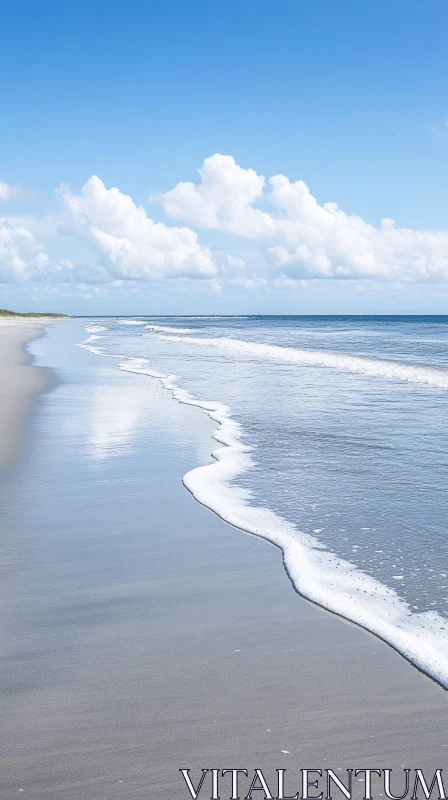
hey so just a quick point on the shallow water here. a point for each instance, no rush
(345, 418)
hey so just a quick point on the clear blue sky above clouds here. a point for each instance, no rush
(349, 97)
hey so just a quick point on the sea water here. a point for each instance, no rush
(333, 445)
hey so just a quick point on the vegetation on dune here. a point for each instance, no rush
(4, 312)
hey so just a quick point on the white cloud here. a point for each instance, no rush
(118, 242)
(8, 192)
(236, 264)
(18, 249)
(300, 237)
(223, 198)
(127, 243)
(113, 240)
(23, 258)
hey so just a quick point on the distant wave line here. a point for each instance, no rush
(436, 377)
(167, 329)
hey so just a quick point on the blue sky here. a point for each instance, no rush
(348, 97)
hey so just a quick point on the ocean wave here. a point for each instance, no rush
(167, 329)
(92, 338)
(131, 322)
(94, 328)
(86, 345)
(317, 574)
(346, 362)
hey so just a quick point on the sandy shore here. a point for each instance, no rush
(141, 634)
(19, 384)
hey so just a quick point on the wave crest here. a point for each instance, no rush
(167, 329)
(346, 362)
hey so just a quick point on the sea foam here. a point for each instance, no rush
(167, 329)
(375, 367)
(94, 328)
(131, 321)
(317, 574)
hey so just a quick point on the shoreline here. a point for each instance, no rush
(143, 634)
(22, 383)
(333, 586)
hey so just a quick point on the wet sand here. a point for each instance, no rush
(141, 634)
(19, 384)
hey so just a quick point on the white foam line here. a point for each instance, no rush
(166, 329)
(95, 328)
(92, 338)
(317, 574)
(131, 322)
(96, 350)
(375, 367)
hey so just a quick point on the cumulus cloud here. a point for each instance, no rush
(127, 243)
(223, 198)
(8, 192)
(124, 243)
(18, 251)
(300, 237)
(23, 258)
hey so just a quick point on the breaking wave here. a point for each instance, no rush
(375, 367)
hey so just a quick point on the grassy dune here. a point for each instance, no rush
(4, 312)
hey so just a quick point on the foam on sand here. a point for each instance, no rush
(375, 367)
(317, 574)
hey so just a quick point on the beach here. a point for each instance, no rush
(141, 633)
(19, 384)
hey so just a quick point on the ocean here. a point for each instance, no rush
(332, 444)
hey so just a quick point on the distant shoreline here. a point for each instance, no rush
(6, 313)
